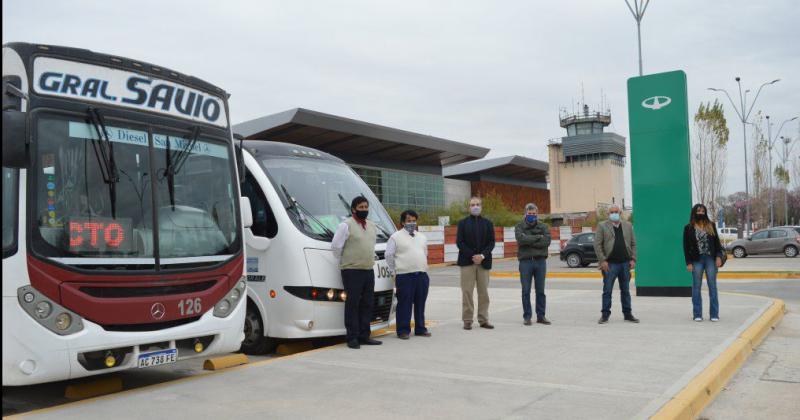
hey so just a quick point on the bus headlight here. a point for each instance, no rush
(331, 294)
(224, 307)
(63, 321)
(41, 308)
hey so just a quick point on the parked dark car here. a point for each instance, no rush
(778, 240)
(579, 251)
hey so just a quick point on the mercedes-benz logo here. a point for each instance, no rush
(158, 310)
(656, 102)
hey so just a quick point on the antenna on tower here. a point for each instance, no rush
(583, 98)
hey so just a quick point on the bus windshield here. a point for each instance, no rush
(93, 201)
(325, 189)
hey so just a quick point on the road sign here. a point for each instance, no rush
(658, 115)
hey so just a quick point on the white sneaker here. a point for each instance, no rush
(698, 319)
(714, 319)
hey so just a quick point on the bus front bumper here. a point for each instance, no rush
(32, 354)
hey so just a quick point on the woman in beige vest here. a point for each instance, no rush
(354, 245)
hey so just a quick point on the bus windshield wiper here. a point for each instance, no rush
(302, 212)
(175, 162)
(104, 152)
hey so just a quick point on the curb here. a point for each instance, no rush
(701, 391)
(720, 275)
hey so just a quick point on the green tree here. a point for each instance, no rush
(708, 154)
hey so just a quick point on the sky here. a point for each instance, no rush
(488, 73)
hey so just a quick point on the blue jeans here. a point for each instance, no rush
(536, 270)
(708, 264)
(412, 290)
(623, 272)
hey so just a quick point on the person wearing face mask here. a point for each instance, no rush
(475, 242)
(533, 241)
(615, 246)
(353, 245)
(703, 252)
(407, 257)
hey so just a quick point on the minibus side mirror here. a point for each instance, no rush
(15, 143)
(247, 212)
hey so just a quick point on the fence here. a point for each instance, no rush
(442, 241)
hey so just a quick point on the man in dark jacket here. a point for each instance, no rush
(475, 241)
(533, 241)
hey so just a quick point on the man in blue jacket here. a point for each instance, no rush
(475, 241)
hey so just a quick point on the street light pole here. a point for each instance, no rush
(639, 6)
(787, 149)
(771, 143)
(744, 115)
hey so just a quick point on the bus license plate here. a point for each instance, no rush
(155, 358)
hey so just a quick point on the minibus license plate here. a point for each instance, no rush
(155, 358)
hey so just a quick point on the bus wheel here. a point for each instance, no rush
(254, 340)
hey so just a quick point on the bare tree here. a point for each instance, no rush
(709, 155)
(759, 197)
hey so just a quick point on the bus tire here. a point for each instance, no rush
(255, 342)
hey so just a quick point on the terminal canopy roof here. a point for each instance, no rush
(358, 141)
(507, 168)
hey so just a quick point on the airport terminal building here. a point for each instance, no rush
(406, 169)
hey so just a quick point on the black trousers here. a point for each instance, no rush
(360, 288)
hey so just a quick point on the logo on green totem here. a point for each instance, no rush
(656, 102)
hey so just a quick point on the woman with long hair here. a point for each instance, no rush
(703, 253)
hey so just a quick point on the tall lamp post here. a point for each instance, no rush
(743, 112)
(771, 142)
(788, 145)
(639, 6)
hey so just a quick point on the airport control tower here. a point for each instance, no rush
(587, 167)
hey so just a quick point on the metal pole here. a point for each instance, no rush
(769, 143)
(639, 36)
(747, 226)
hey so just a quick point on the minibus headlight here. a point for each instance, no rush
(331, 294)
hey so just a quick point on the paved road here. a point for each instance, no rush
(572, 369)
(27, 398)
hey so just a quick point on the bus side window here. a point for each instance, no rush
(263, 219)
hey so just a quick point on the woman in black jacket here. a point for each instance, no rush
(702, 251)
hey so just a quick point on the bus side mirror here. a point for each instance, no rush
(15, 143)
(247, 212)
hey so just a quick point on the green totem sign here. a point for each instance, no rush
(658, 113)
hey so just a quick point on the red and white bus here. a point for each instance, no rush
(122, 230)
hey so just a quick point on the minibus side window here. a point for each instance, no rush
(10, 206)
(263, 219)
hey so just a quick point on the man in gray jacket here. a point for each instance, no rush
(533, 240)
(615, 246)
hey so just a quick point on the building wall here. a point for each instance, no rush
(514, 196)
(581, 186)
(456, 191)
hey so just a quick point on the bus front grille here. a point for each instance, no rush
(129, 292)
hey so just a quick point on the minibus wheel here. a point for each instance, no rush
(254, 340)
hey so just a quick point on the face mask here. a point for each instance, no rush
(531, 218)
(362, 214)
(475, 211)
(701, 217)
(410, 227)
(614, 217)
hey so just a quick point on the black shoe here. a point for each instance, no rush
(370, 342)
(543, 320)
(603, 320)
(353, 344)
(423, 334)
(631, 318)
(402, 336)
(487, 325)
(467, 325)
(527, 322)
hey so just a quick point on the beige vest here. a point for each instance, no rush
(409, 256)
(359, 248)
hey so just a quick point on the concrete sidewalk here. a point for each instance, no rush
(574, 368)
